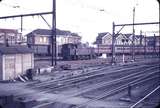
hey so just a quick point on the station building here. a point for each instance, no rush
(40, 40)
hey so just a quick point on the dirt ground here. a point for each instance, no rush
(45, 63)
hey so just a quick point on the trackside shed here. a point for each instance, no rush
(14, 61)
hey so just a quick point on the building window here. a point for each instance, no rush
(44, 39)
(41, 39)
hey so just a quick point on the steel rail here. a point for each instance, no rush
(143, 79)
(108, 93)
(78, 93)
(87, 70)
(49, 103)
(86, 73)
(110, 82)
(138, 102)
(70, 78)
(51, 82)
(62, 79)
(54, 88)
(82, 76)
(71, 82)
(74, 95)
(84, 81)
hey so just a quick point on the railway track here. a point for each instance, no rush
(85, 73)
(120, 88)
(104, 84)
(82, 76)
(90, 80)
(106, 93)
(137, 79)
(80, 85)
(134, 105)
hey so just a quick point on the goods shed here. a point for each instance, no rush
(14, 61)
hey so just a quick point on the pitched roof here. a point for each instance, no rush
(8, 30)
(48, 32)
(14, 50)
(99, 37)
(74, 34)
(128, 35)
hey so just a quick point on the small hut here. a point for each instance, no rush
(14, 61)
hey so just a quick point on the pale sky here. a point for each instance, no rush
(82, 16)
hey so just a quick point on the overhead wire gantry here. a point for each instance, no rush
(53, 27)
(122, 26)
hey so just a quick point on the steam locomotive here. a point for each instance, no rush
(77, 52)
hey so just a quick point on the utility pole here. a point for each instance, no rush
(123, 56)
(21, 24)
(154, 45)
(53, 37)
(145, 44)
(133, 37)
(113, 44)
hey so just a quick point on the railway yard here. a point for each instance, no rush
(79, 54)
(130, 85)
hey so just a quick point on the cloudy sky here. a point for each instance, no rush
(86, 17)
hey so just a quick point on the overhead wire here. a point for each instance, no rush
(16, 5)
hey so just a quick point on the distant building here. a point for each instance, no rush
(121, 39)
(104, 41)
(104, 38)
(153, 40)
(40, 40)
(11, 37)
(14, 61)
(139, 39)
